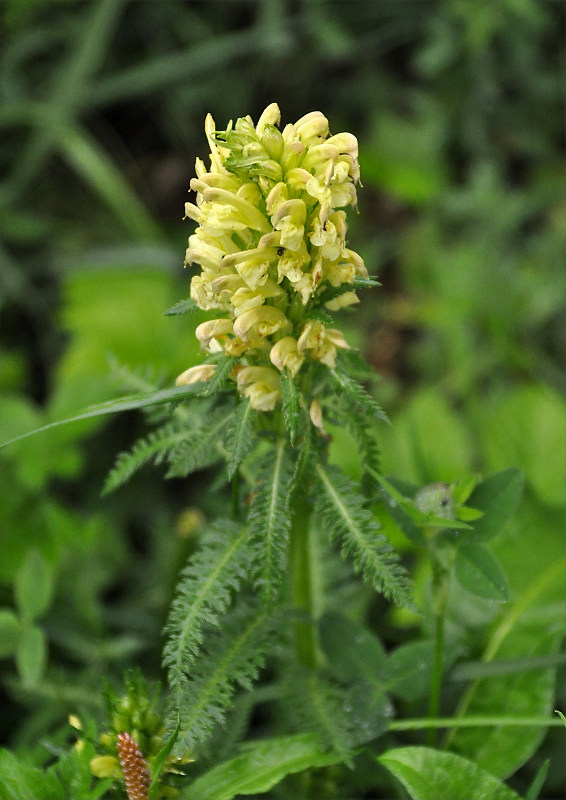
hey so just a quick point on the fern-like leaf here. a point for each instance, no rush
(204, 592)
(291, 406)
(320, 316)
(270, 521)
(306, 451)
(187, 306)
(204, 447)
(340, 509)
(357, 395)
(224, 366)
(156, 447)
(239, 437)
(232, 658)
(367, 444)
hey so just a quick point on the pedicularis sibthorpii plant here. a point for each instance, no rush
(263, 588)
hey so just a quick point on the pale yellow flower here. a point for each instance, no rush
(262, 385)
(261, 321)
(284, 353)
(321, 342)
(202, 372)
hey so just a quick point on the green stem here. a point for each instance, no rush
(440, 587)
(474, 722)
(436, 685)
(300, 562)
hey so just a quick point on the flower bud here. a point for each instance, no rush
(273, 142)
(202, 372)
(105, 767)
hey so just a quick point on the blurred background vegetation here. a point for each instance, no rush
(459, 110)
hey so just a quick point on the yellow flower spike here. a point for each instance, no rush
(284, 353)
(75, 722)
(202, 372)
(270, 236)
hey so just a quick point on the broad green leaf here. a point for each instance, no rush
(34, 463)
(33, 586)
(538, 632)
(9, 632)
(498, 497)
(353, 652)
(427, 441)
(480, 573)
(113, 303)
(539, 414)
(434, 775)
(31, 656)
(409, 670)
(19, 781)
(259, 768)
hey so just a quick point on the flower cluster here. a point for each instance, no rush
(271, 238)
(134, 738)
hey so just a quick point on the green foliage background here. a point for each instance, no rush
(458, 108)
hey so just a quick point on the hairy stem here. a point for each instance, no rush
(301, 577)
